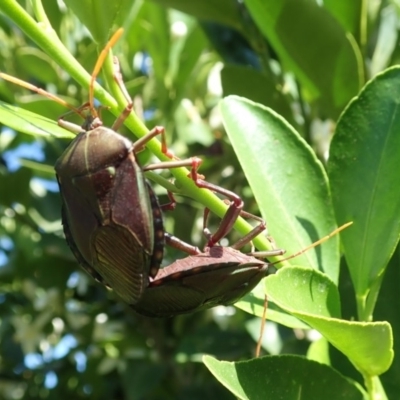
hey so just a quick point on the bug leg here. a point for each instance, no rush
(128, 108)
(158, 130)
(90, 122)
(171, 205)
(259, 228)
(231, 215)
(173, 241)
(70, 126)
(179, 244)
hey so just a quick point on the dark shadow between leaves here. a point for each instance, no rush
(313, 234)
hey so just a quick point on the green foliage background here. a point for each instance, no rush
(310, 70)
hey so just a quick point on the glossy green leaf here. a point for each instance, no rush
(253, 303)
(330, 69)
(364, 170)
(283, 377)
(32, 124)
(287, 180)
(312, 297)
(312, 291)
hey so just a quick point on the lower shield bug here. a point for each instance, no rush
(218, 276)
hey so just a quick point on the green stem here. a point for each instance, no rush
(46, 38)
(375, 388)
(39, 12)
(363, 25)
(369, 300)
(360, 301)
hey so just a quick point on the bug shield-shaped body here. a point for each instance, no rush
(111, 217)
(219, 276)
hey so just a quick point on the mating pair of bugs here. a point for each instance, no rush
(113, 221)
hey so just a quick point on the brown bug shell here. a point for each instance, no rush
(220, 275)
(111, 217)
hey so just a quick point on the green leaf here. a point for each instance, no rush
(37, 64)
(100, 16)
(156, 20)
(364, 167)
(253, 303)
(184, 60)
(283, 377)
(33, 124)
(312, 297)
(288, 182)
(223, 11)
(313, 291)
(348, 13)
(319, 351)
(330, 69)
(41, 105)
(256, 86)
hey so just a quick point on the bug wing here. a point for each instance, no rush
(121, 261)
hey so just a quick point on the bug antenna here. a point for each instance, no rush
(263, 322)
(318, 242)
(40, 91)
(97, 67)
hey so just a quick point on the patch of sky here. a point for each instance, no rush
(50, 380)
(31, 151)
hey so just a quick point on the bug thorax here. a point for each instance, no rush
(92, 151)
